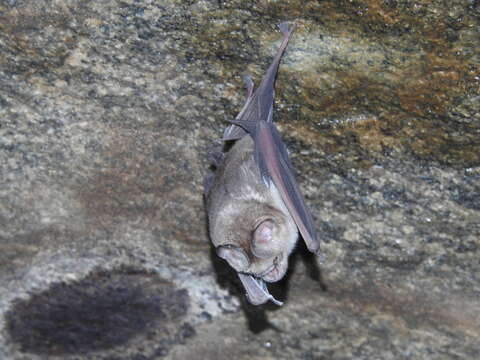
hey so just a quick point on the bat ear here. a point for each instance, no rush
(236, 257)
(263, 240)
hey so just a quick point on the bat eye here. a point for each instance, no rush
(263, 240)
(236, 257)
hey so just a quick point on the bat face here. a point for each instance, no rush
(254, 204)
(269, 264)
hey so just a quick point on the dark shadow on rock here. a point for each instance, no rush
(227, 278)
(281, 289)
(104, 310)
(311, 263)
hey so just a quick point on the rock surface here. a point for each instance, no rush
(108, 112)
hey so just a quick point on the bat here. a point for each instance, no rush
(254, 205)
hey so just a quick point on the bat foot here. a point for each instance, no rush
(285, 29)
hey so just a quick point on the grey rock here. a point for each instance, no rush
(108, 111)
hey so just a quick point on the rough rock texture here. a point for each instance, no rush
(108, 110)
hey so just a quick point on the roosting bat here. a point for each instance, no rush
(255, 208)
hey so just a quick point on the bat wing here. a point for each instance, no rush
(272, 158)
(257, 292)
(270, 151)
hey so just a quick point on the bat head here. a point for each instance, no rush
(258, 241)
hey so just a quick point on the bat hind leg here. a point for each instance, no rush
(235, 132)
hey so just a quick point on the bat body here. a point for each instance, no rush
(255, 208)
(241, 209)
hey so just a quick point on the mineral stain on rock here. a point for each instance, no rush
(402, 73)
(99, 312)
